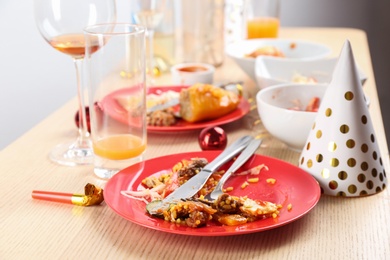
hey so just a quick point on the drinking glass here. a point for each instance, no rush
(61, 23)
(149, 13)
(200, 31)
(262, 18)
(115, 76)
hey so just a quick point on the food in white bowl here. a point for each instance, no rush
(192, 73)
(241, 51)
(272, 71)
(276, 106)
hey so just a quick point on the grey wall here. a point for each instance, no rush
(36, 80)
(372, 16)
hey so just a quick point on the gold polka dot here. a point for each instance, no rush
(325, 173)
(364, 148)
(350, 143)
(319, 134)
(361, 178)
(333, 185)
(364, 166)
(352, 189)
(369, 185)
(341, 194)
(309, 163)
(374, 172)
(328, 112)
(332, 146)
(334, 162)
(308, 146)
(348, 95)
(364, 119)
(363, 193)
(302, 160)
(374, 155)
(351, 162)
(344, 129)
(343, 175)
(313, 126)
(319, 157)
(372, 138)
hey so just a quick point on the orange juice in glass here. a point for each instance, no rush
(119, 147)
(117, 95)
(262, 18)
(263, 27)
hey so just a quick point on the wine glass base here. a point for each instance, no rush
(70, 154)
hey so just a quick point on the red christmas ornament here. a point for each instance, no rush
(212, 138)
(77, 119)
(98, 111)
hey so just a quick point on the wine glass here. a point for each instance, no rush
(61, 23)
(149, 13)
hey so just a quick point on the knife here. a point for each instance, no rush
(171, 103)
(193, 185)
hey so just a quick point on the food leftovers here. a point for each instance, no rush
(197, 211)
(266, 51)
(199, 102)
(298, 78)
(312, 106)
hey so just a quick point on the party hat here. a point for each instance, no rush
(341, 151)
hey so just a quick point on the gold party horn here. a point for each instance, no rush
(93, 196)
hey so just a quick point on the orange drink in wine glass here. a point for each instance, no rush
(61, 24)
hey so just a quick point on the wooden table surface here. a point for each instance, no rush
(337, 228)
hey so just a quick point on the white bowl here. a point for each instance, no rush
(192, 73)
(292, 127)
(272, 71)
(292, 49)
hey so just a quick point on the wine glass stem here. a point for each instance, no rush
(83, 140)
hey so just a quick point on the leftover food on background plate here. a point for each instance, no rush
(199, 102)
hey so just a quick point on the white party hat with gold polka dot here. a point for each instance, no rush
(341, 151)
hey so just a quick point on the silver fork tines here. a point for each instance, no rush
(244, 156)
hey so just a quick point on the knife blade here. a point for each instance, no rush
(193, 185)
(171, 103)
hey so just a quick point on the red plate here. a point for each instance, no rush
(293, 186)
(116, 111)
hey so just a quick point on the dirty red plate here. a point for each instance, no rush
(116, 111)
(293, 186)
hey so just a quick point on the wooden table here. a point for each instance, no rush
(337, 228)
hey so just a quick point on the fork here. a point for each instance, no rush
(244, 156)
